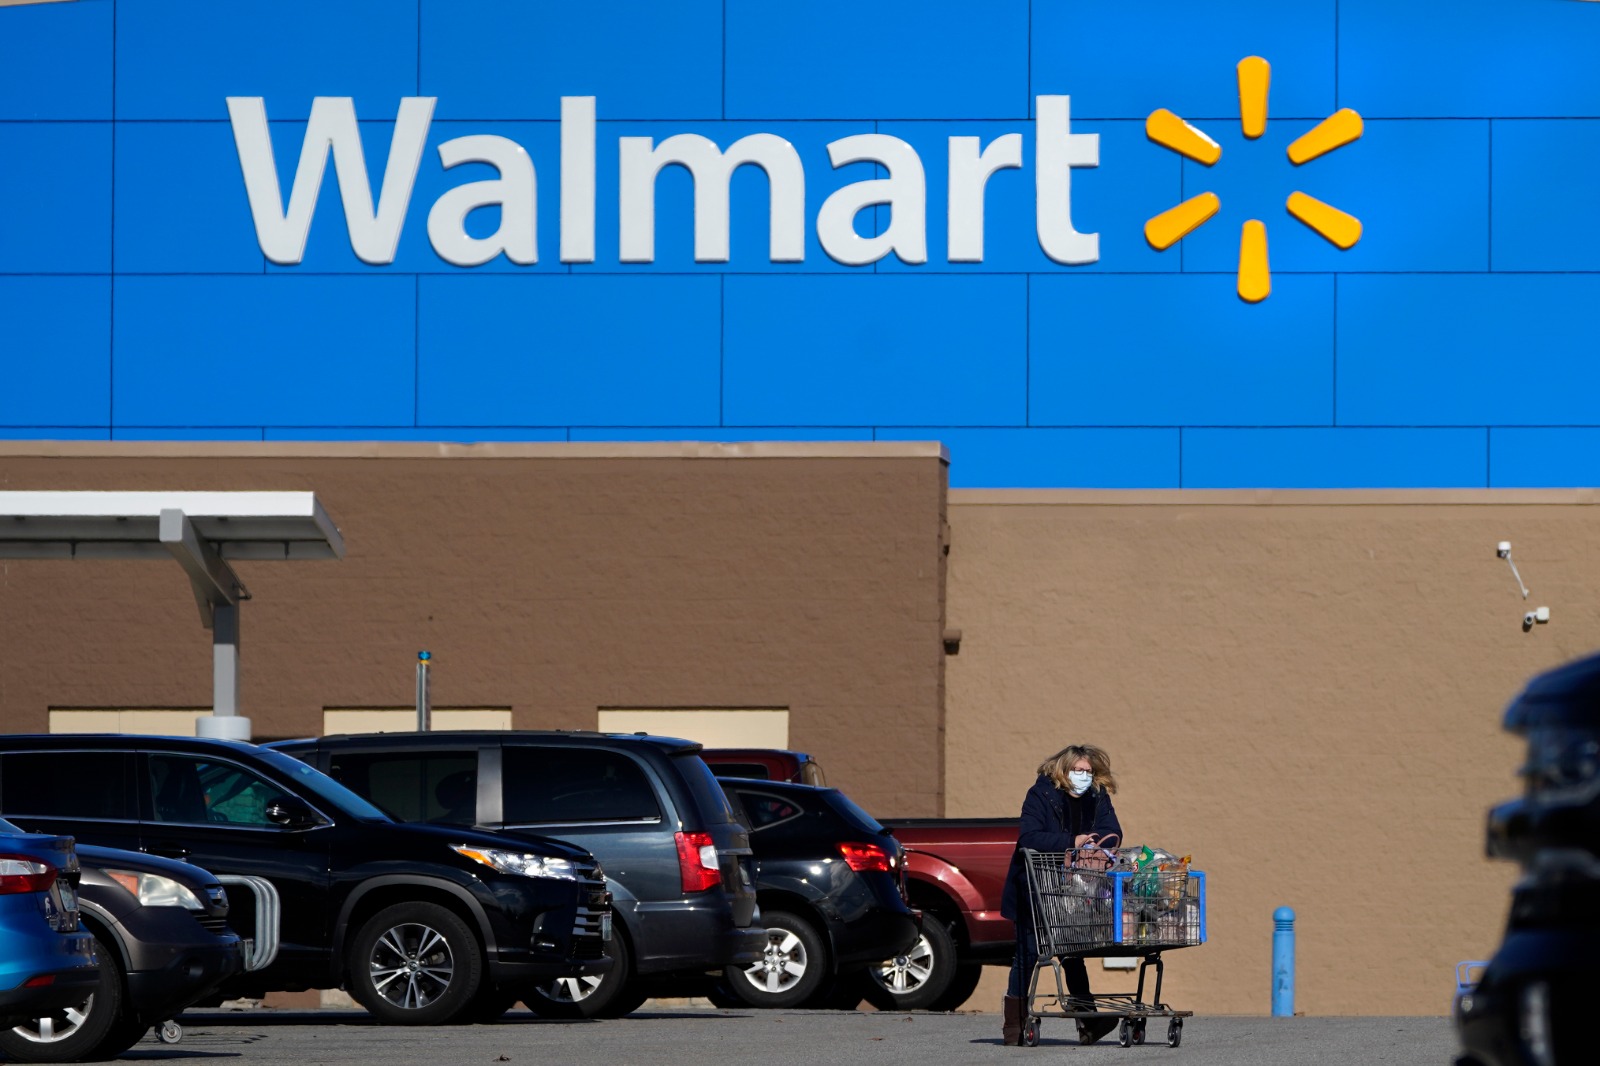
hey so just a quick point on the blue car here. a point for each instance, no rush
(47, 960)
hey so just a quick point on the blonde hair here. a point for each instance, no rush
(1056, 767)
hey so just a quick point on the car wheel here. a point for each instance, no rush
(915, 980)
(415, 964)
(961, 987)
(588, 997)
(81, 1031)
(791, 969)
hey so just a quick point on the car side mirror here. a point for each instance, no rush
(290, 813)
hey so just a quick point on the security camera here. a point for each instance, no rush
(1503, 549)
(1528, 620)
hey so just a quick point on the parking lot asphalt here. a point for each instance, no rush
(778, 1037)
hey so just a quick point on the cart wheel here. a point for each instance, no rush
(170, 1032)
(1030, 1033)
(1138, 1030)
(1175, 1032)
(1125, 1033)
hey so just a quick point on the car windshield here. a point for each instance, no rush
(323, 787)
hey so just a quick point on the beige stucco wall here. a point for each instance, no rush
(1303, 689)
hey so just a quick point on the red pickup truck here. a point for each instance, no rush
(955, 871)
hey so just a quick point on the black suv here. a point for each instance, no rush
(423, 924)
(647, 807)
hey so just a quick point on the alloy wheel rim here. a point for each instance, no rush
(906, 973)
(411, 965)
(57, 1025)
(782, 964)
(570, 989)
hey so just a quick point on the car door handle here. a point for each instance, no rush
(168, 849)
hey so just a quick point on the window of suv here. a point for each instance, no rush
(574, 786)
(767, 811)
(194, 790)
(67, 784)
(440, 788)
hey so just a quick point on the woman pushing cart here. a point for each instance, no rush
(1074, 894)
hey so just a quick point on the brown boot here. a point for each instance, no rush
(1011, 1034)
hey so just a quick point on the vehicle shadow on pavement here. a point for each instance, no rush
(272, 1018)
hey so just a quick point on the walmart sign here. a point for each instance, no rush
(375, 234)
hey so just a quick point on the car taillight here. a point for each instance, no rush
(866, 857)
(18, 873)
(697, 862)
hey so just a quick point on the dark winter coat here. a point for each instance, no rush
(1044, 828)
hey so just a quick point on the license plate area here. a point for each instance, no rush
(61, 906)
(605, 926)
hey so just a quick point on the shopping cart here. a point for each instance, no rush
(1097, 902)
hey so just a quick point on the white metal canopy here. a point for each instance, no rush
(203, 531)
(126, 525)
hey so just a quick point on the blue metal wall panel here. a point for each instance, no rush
(55, 352)
(885, 350)
(1544, 458)
(1542, 222)
(1435, 350)
(426, 435)
(258, 351)
(186, 433)
(940, 59)
(55, 192)
(717, 433)
(1488, 58)
(55, 61)
(1121, 60)
(1335, 458)
(513, 59)
(180, 201)
(1048, 458)
(1440, 223)
(1178, 350)
(545, 351)
(181, 59)
(1481, 141)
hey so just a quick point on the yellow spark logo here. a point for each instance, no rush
(1173, 224)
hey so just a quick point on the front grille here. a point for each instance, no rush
(214, 924)
(586, 933)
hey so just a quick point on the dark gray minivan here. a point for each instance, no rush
(677, 858)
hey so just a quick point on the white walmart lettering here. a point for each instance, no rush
(375, 234)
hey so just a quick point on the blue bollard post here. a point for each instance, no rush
(1283, 963)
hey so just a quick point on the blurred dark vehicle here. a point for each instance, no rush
(48, 959)
(161, 931)
(1530, 1008)
(831, 884)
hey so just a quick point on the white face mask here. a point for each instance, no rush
(1078, 781)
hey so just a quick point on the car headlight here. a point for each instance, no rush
(520, 863)
(153, 890)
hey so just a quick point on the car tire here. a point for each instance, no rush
(589, 997)
(917, 979)
(961, 987)
(84, 1031)
(415, 964)
(792, 968)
